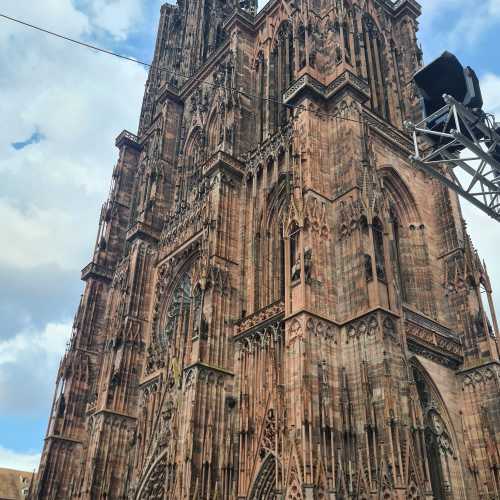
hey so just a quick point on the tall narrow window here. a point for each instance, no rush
(438, 442)
(397, 250)
(294, 253)
(375, 66)
(347, 42)
(378, 243)
(302, 46)
(290, 54)
(176, 317)
(273, 90)
(261, 88)
(193, 158)
(282, 266)
(281, 74)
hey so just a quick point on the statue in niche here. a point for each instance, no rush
(201, 325)
(296, 268)
(166, 424)
(201, 329)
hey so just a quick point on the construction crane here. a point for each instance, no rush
(456, 141)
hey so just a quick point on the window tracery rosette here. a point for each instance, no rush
(177, 316)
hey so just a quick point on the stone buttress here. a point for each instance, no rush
(279, 306)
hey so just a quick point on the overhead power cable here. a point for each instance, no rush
(174, 73)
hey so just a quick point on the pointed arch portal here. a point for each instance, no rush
(263, 487)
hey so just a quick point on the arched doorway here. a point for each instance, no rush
(263, 487)
(440, 440)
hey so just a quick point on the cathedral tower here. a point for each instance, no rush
(278, 306)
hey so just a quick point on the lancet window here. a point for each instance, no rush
(215, 130)
(302, 46)
(378, 244)
(273, 265)
(177, 317)
(261, 89)
(396, 236)
(375, 66)
(281, 73)
(439, 445)
(347, 42)
(294, 252)
(270, 248)
(193, 157)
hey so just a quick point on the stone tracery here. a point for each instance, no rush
(267, 241)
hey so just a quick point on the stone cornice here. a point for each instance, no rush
(260, 318)
(311, 313)
(241, 19)
(205, 366)
(143, 231)
(55, 437)
(344, 82)
(126, 138)
(151, 378)
(221, 160)
(424, 321)
(407, 7)
(96, 271)
(388, 132)
(367, 313)
(430, 351)
(113, 413)
(470, 369)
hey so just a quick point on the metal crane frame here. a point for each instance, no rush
(476, 177)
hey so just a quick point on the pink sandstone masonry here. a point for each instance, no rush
(278, 305)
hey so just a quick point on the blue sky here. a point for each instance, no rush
(64, 106)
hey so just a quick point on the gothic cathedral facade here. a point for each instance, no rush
(279, 306)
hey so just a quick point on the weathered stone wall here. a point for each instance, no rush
(279, 305)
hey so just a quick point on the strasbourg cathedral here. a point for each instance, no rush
(278, 305)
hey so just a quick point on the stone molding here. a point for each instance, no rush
(260, 318)
(308, 83)
(127, 138)
(97, 271)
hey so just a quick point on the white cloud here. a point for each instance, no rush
(51, 341)
(115, 16)
(490, 88)
(79, 100)
(460, 24)
(19, 461)
(28, 366)
(33, 229)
